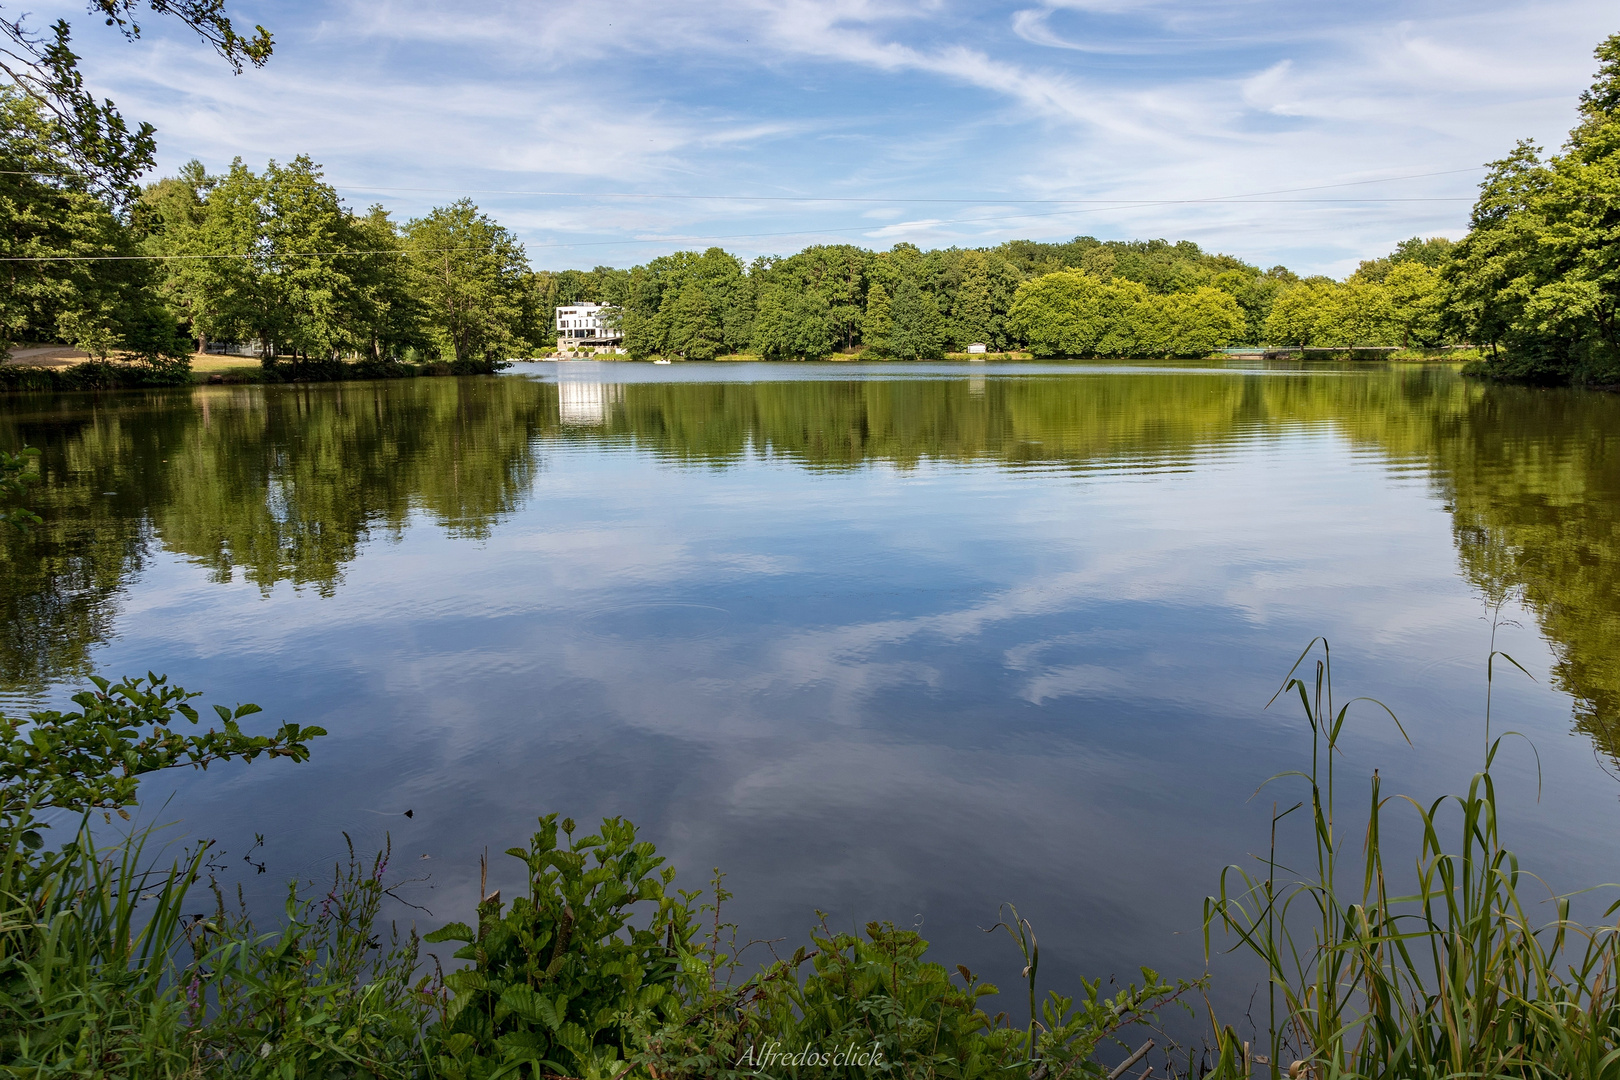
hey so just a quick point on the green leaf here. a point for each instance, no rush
(456, 931)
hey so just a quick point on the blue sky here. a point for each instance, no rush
(994, 109)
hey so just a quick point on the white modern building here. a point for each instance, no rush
(588, 326)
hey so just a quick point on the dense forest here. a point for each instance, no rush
(276, 261)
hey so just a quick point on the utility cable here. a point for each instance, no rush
(1254, 198)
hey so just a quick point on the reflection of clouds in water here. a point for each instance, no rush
(930, 688)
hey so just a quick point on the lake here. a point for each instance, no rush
(888, 641)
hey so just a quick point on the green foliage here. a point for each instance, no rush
(88, 944)
(92, 136)
(791, 326)
(307, 278)
(94, 758)
(320, 996)
(1454, 978)
(694, 332)
(918, 331)
(471, 277)
(1074, 313)
(102, 305)
(686, 304)
(878, 326)
(1538, 276)
(564, 980)
(1193, 323)
(975, 311)
(877, 993)
(1395, 301)
(1160, 266)
(92, 979)
(877, 1000)
(1432, 253)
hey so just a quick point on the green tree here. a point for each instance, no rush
(168, 219)
(1432, 252)
(220, 277)
(1303, 314)
(1538, 275)
(1255, 293)
(919, 332)
(314, 299)
(877, 326)
(972, 310)
(1073, 313)
(1416, 298)
(792, 327)
(1362, 314)
(694, 332)
(1192, 323)
(71, 270)
(470, 275)
(388, 319)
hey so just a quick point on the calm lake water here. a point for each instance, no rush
(888, 641)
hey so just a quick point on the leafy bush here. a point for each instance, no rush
(565, 981)
(154, 370)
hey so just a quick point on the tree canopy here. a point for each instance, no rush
(1537, 278)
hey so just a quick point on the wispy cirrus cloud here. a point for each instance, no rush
(887, 100)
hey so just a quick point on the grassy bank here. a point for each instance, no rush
(118, 375)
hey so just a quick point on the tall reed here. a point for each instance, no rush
(1455, 978)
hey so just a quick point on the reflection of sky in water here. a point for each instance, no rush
(879, 692)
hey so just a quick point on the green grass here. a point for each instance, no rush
(1451, 975)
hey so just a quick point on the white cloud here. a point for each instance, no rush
(1103, 99)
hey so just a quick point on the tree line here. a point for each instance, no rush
(1535, 284)
(275, 259)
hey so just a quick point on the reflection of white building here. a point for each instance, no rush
(586, 403)
(588, 326)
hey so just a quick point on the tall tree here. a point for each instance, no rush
(1538, 275)
(878, 325)
(791, 326)
(470, 275)
(919, 333)
(1191, 323)
(972, 309)
(71, 269)
(1416, 297)
(309, 237)
(388, 315)
(694, 333)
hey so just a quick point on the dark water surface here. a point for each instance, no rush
(889, 641)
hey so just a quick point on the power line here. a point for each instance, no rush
(722, 236)
(865, 199)
(1254, 198)
(993, 199)
(973, 221)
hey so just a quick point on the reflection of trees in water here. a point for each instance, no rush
(283, 484)
(1533, 476)
(1076, 419)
